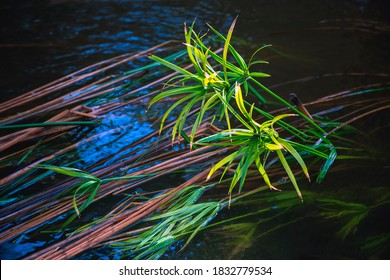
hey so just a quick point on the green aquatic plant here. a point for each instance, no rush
(215, 82)
(250, 141)
(183, 217)
(253, 144)
(84, 191)
(209, 80)
(214, 85)
(89, 187)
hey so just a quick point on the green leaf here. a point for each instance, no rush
(259, 75)
(254, 54)
(176, 91)
(73, 172)
(308, 149)
(217, 207)
(177, 103)
(256, 93)
(159, 247)
(172, 66)
(228, 64)
(222, 162)
(263, 173)
(187, 35)
(198, 121)
(181, 119)
(331, 158)
(226, 47)
(236, 115)
(296, 155)
(89, 186)
(249, 157)
(289, 172)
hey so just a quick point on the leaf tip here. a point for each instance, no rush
(300, 196)
(308, 176)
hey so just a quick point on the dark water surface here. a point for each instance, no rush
(44, 40)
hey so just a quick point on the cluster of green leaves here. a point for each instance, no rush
(254, 142)
(208, 82)
(215, 84)
(85, 190)
(89, 187)
(183, 217)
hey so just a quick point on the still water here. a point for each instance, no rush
(321, 40)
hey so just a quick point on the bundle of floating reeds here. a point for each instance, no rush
(42, 140)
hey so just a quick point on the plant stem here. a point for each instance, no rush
(30, 125)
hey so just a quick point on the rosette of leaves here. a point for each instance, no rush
(252, 145)
(213, 76)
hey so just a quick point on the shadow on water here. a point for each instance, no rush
(319, 48)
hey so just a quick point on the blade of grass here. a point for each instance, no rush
(289, 172)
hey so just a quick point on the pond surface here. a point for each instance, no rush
(322, 44)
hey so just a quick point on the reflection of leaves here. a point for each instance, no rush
(350, 213)
(377, 243)
(243, 235)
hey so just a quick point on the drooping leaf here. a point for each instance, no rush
(296, 155)
(329, 161)
(69, 171)
(289, 172)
